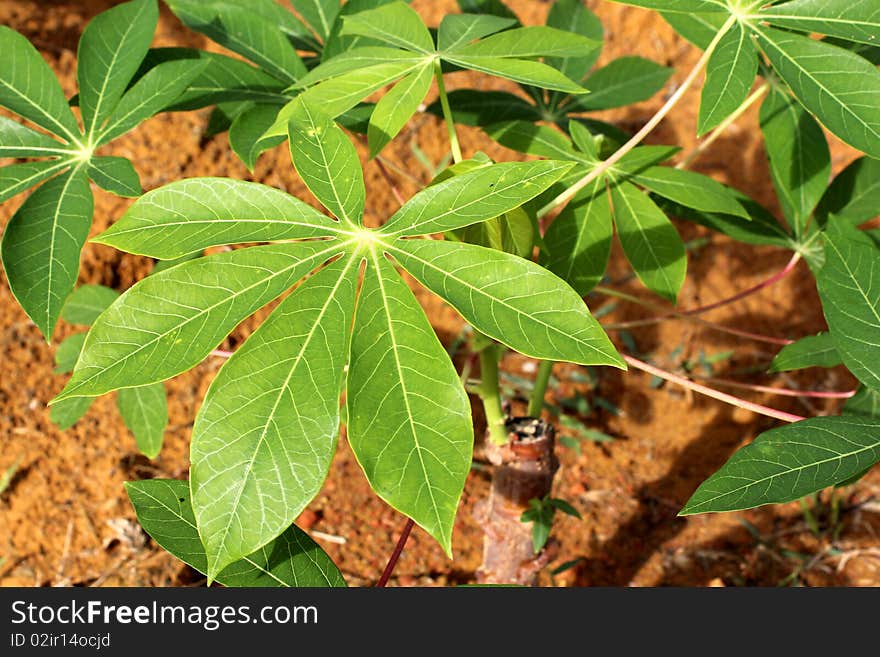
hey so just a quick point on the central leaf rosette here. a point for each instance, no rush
(265, 435)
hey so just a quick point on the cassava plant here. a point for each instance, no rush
(522, 244)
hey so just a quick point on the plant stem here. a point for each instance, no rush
(447, 113)
(542, 379)
(652, 123)
(709, 392)
(785, 392)
(395, 556)
(490, 395)
(723, 126)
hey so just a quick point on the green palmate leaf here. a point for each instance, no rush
(800, 161)
(786, 463)
(812, 351)
(853, 20)
(691, 190)
(395, 23)
(337, 43)
(512, 232)
(67, 353)
(29, 88)
(42, 244)
(115, 175)
(17, 140)
(319, 14)
(358, 58)
(328, 163)
(190, 215)
(854, 195)
(519, 70)
(641, 158)
(849, 286)
(409, 420)
(730, 74)
(584, 140)
(293, 559)
(624, 81)
(457, 30)
(474, 196)
(510, 299)
(246, 132)
(245, 32)
(527, 42)
(397, 106)
(526, 137)
(650, 241)
(679, 6)
(168, 322)
(482, 108)
(865, 402)
(839, 87)
(579, 239)
(67, 413)
(573, 16)
(152, 93)
(110, 52)
(16, 178)
(265, 435)
(699, 29)
(145, 412)
(87, 302)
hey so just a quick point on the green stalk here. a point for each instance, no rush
(490, 395)
(542, 379)
(447, 113)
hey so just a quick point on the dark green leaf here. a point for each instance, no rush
(866, 402)
(519, 70)
(481, 108)
(115, 175)
(624, 81)
(528, 42)
(68, 412)
(397, 107)
(17, 140)
(854, 195)
(67, 352)
(246, 132)
(691, 189)
(87, 302)
(812, 351)
(16, 178)
(573, 16)
(395, 23)
(320, 14)
(533, 139)
(730, 75)
(699, 29)
(145, 412)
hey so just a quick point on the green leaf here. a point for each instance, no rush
(28, 87)
(730, 74)
(642, 157)
(245, 32)
(512, 232)
(67, 413)
(395, 23)
(584, 140)
(579, 239)
(358, 58)
(493, 7)
(293, 559)
(854, 195)
(87, 302)
(679, 6)
(812, 351)
(190, 215)
(145, 412)
(168, 322)
(564, 506)
(110, 51)
(624, 81)
(246, 132)
(156, 90)
(866, 402)
(397, 107)
(853, 20)
(319, 14)
(849, 286)
(800, 161)
(17, 140)
(839, 87)
(457, 30)
(16, 178)
(784, 464)
(533, 139)
(67, 353)
(519, 70)
(528, 42)
(409, 419)
(115, 175)
(573, 16)
(265, 435)
(699, 29)
(482, 108)
(328, 163)
(42, 244)
(650, 241)
(690, 189)
(510, 299)
(336, 43)
(474, 196)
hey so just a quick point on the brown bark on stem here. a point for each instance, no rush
(523, 469)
